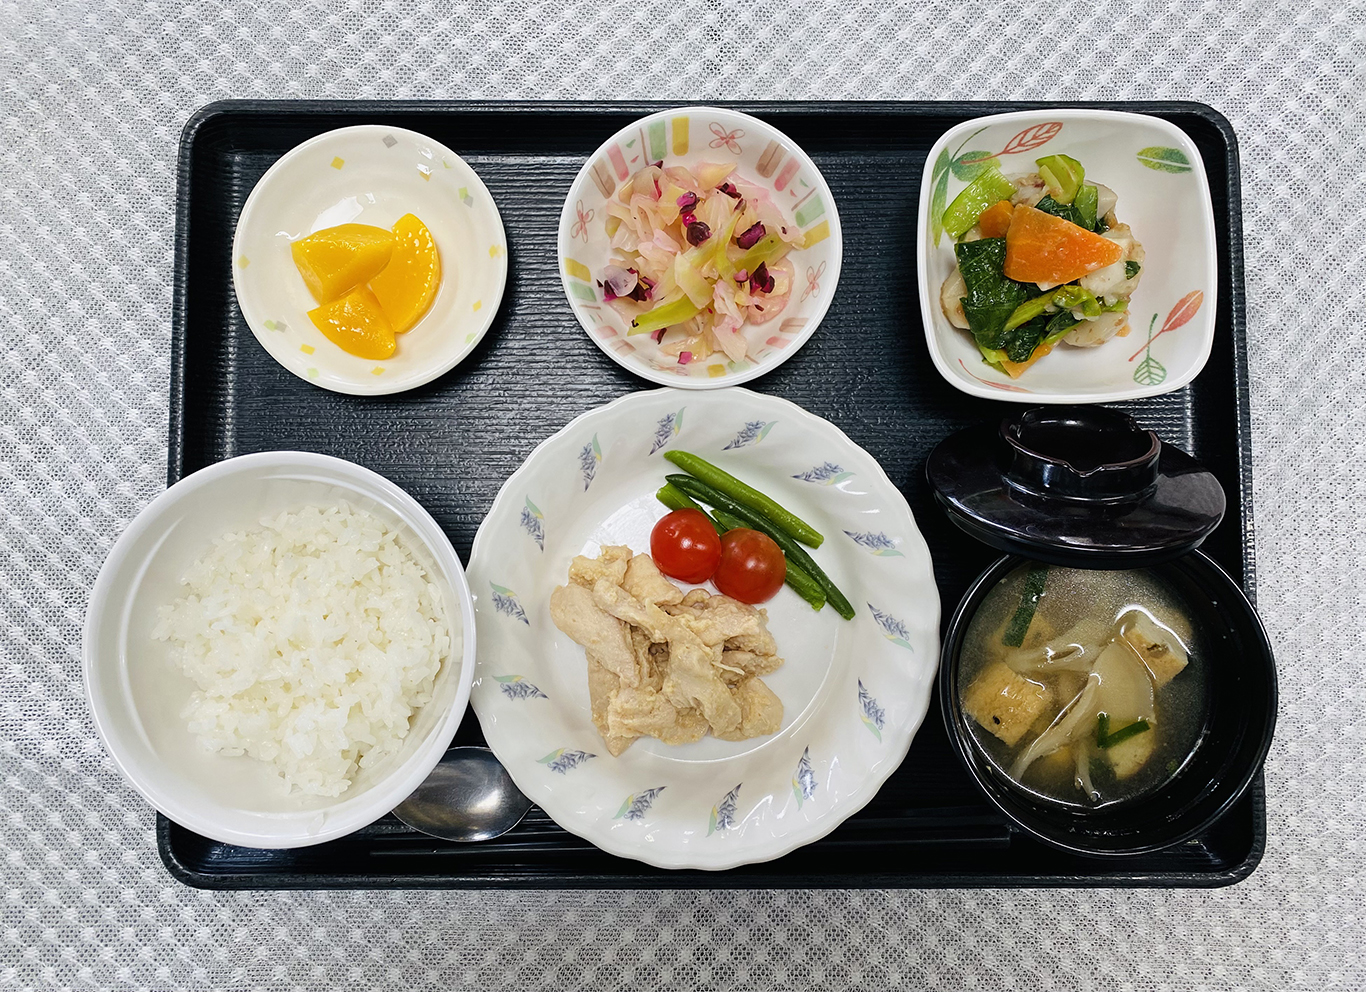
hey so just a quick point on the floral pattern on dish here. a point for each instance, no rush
(589, 460)
(517, 687)
(533, 522)
(804, 779)
(723, 813)
(824, 474)
(875, 543)
(505, 602)
(638, 804)
(892, 628)
(667, 429)
(872, 715)
(752, 433)
(562, 760)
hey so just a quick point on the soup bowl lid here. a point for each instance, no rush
(1079, 486)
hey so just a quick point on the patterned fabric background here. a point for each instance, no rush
(92, 100)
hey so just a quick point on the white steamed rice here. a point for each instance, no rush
(313, 639)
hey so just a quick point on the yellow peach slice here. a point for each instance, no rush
(408, 284)
(336, 260)
(356, 324)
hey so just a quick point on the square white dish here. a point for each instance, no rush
(1157, 172)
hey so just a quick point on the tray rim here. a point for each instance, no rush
(735, 878)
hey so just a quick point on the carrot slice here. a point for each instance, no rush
(995, 220)
(1046, 249)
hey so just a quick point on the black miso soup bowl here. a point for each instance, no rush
(1240, 718)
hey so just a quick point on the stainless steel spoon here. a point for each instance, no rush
(469, 796)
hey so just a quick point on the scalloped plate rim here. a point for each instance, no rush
(913, 540)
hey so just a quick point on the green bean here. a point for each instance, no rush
(675, 499)
(795, 552)
(747, 496)
(797, 577)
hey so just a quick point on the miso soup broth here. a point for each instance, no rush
(1085, 687)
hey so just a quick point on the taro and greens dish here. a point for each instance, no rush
(1041, 260)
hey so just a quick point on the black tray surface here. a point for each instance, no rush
(453, 442)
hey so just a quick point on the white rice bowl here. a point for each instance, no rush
(408, 698)
(313, 639)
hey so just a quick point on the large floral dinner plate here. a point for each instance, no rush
(854, 692)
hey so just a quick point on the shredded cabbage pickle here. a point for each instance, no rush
(704, 254)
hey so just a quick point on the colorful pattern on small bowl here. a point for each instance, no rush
(688, 136)
(853, 692)
(1156, 170)
(369, 174)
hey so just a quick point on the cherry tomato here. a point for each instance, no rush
(685, 546)
(752, 566)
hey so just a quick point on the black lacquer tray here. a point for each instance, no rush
(453, 442)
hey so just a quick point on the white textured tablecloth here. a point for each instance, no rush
(91, 106)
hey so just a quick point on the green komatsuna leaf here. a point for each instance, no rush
(1021, 342)
(1150, 372)
(1164, 159)
(937, 205)
(1058, 326)
(970, 165)
(991, 298)
(1067, 211)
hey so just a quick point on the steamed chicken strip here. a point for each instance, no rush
(662, 663)
(692, 679)
(604, 637)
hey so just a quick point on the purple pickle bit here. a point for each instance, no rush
(641, 293)
(730, 190)
(749, 238)
(684, 358)
(687, 201)
(742, 276)
(761, 281)
(698, 232)
(659, 335)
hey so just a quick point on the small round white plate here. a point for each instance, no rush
(369, 174)
(689, 136)
(854, 692)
